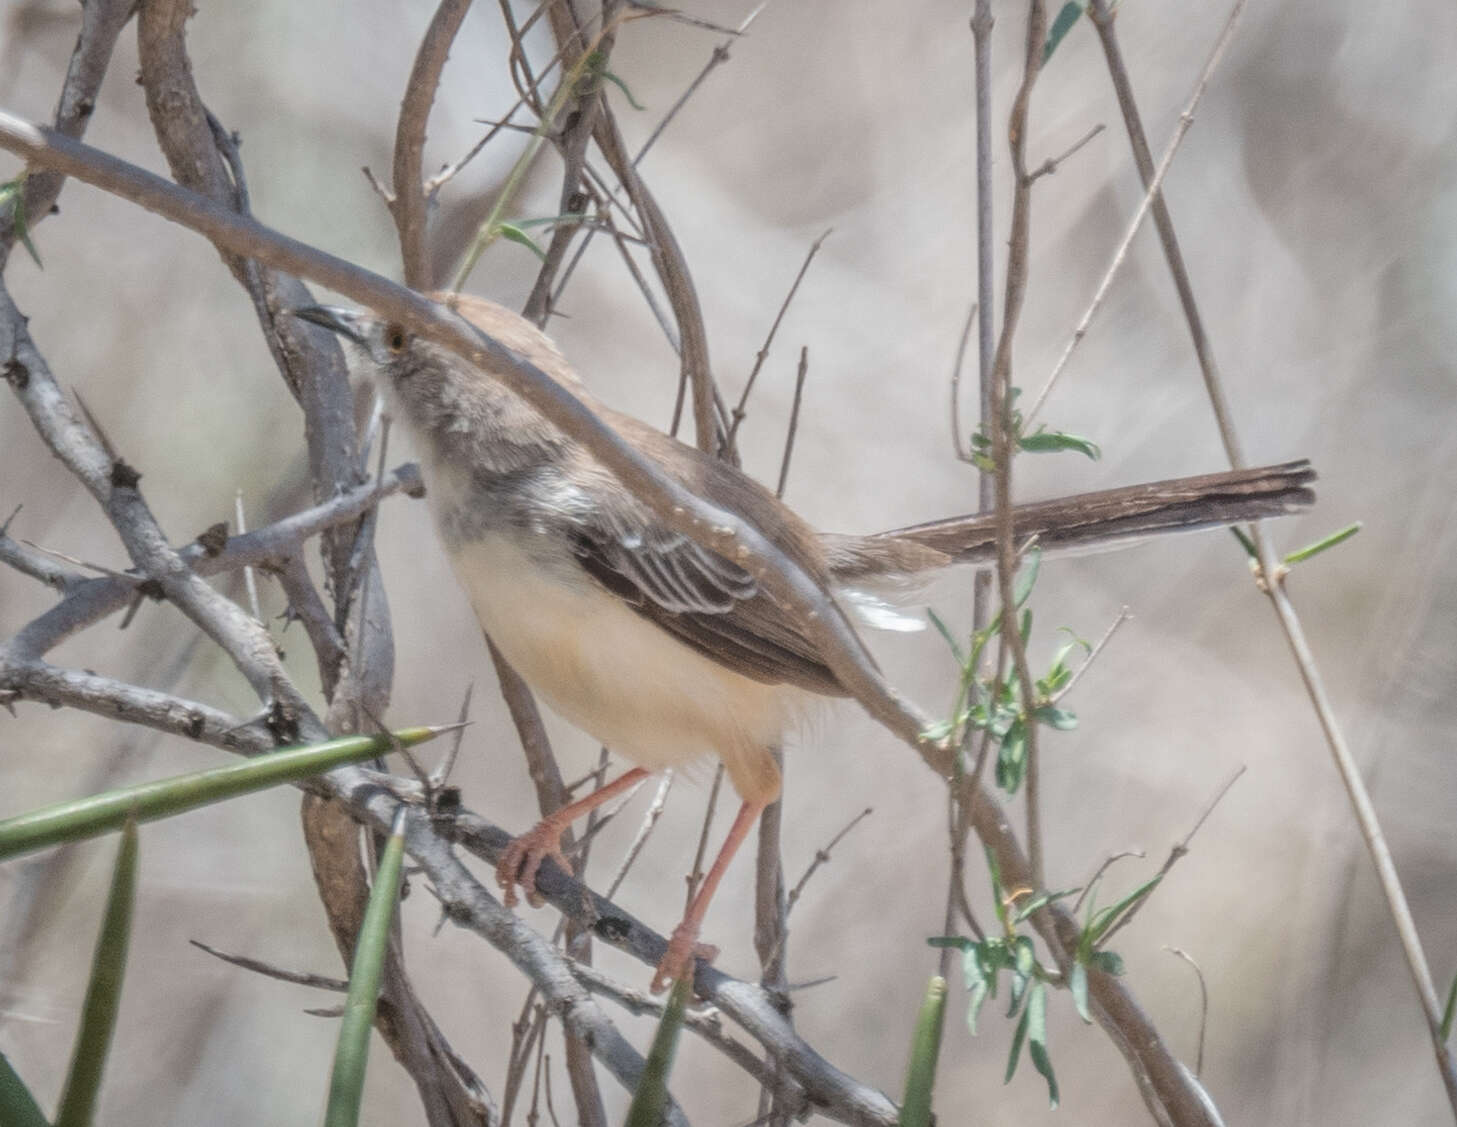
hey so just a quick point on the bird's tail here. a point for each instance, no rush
(1087, 521)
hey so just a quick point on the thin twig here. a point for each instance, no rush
(408, 202)
(1052, 164)
(1150, 195)
(719, 56)
(1203, 1006)
(696, 873)
(441, 774)
(1176, 854)
(249, 580)
(644, 830)
(763, 353)
(961, 342)
(300, 978)
(1123, 616)
(793, 421)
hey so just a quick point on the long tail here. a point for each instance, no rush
(1088, 520)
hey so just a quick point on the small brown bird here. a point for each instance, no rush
(665, 651)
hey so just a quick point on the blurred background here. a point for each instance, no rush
(1316, 199)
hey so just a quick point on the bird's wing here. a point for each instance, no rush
(705, 601)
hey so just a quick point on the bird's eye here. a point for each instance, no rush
(394, 338)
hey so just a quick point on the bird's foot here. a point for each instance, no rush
(683, 948)
(523, 856)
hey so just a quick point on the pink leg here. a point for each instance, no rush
(682, 945)
(523, 856)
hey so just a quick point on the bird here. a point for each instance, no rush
(664, 650)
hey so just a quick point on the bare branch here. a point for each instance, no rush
(408, 203)
(102, 22)
(763, 353)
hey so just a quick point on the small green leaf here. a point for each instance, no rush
(960, 942)
(1037, 1039)
(1058, 718)
(1245, 542)
(12, 193)
(999, 896)
(978, 996)
(1012, 757)
(1078, 984)
(945, 632)
(1041, 900)
(626, 93)
(346, 1089)
(1027, 576)
(1053, 441)
(1448, 1011)
(1109, 962)
(1106, 918)
(1016, 1052)
(1067, 16)
(17, 1105)
(1321, 545)
(925, 1048)
(650, 1100)
(512, 233)
(103, 992)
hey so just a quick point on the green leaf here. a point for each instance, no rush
(1016, 1052)
(1041, 900)
(925, 1048)
(17, 1106)
(103, 992)
(1026, 576)
(1012, 757)
(512, 233)
(1447, 1012)
(651, 1098)
(346, 1089)
(945, 632)
(626, 93)
(960, 942)
(1106, 918)
(1037, 1039)
(1245, 542)
(145, 802)
(1078, 984)
(1321, 545)
(1109, 962)
(1024, 966)
(1059, 718)
(1053, 441)
(1067, 16)
(12, 193)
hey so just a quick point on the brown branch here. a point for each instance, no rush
(1003, 440)
(672, 267)
(572, 144)
(408, 202)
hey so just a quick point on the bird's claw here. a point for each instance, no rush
(683, 948)
(522, 859)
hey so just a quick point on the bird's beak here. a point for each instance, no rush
(335, 318)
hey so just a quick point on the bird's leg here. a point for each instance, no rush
(524, 854)
(683, 946)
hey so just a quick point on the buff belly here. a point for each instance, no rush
(616, 675)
